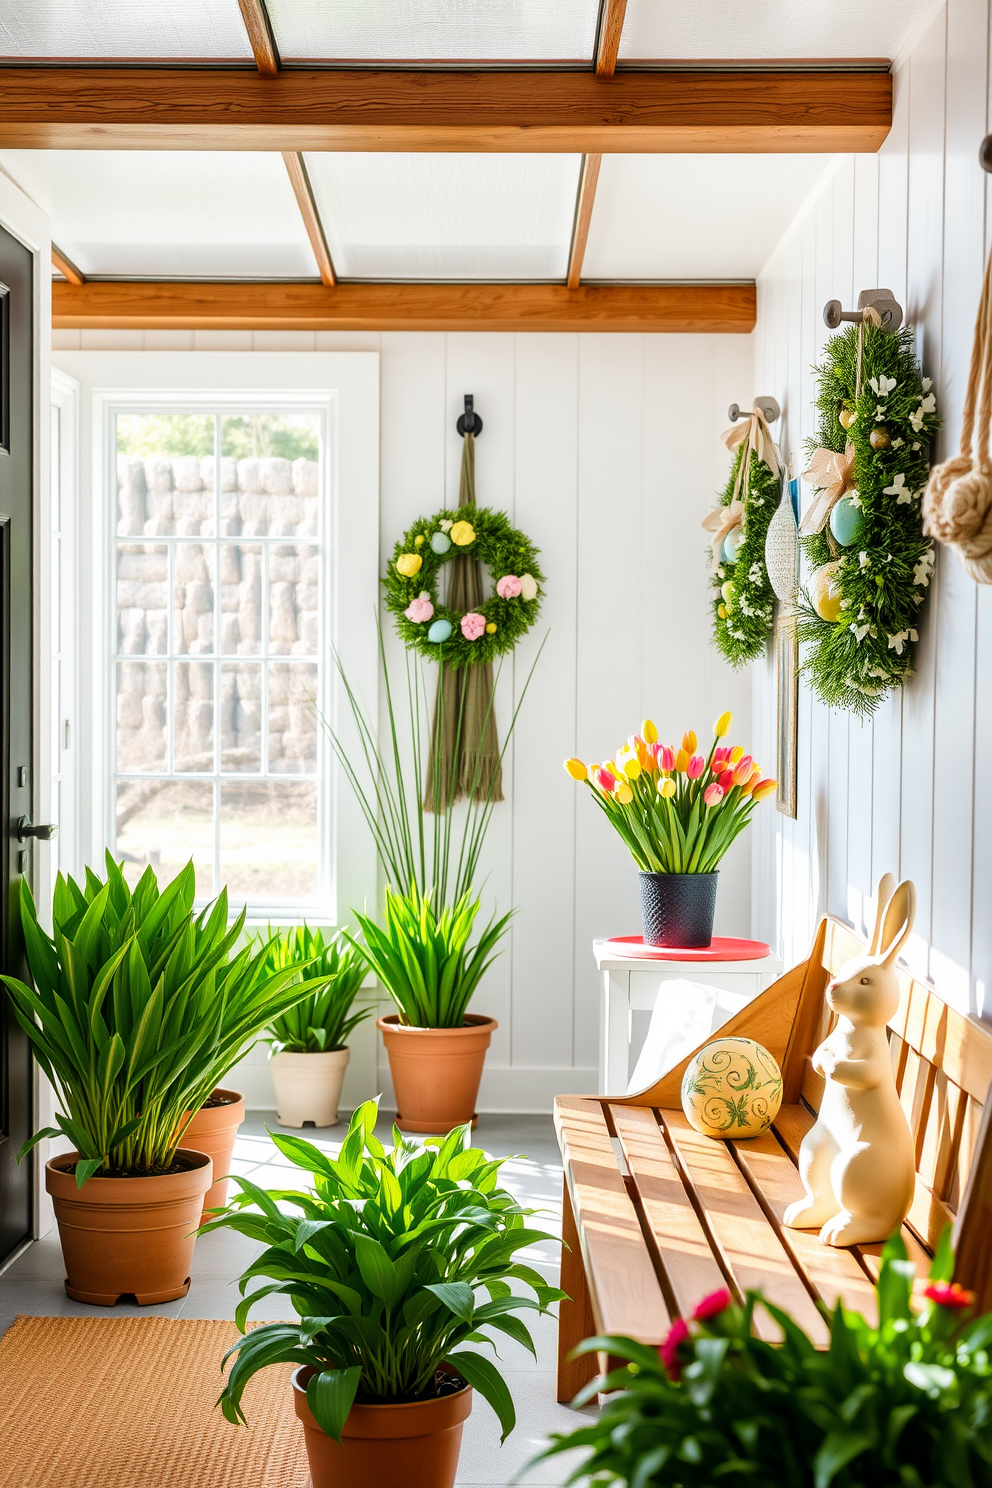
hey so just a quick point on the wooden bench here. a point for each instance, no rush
(655, 1216)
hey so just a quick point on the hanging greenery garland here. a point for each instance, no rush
(430, 627)
(863, 536)
(743, 600)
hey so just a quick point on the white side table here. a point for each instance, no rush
(632, 983)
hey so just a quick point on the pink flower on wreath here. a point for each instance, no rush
(473, 625)
(668, 1349)
(711, 1306)
(419, 609)
(508, 587)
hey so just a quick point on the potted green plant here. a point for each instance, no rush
(138, 1009)
(906, 1402)
(310, 1041)
(423, 954)
(394, 1262)
(677, 812)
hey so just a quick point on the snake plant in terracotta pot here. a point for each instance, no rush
(310, 1042)
(395, 1263)
(138, 1009)
(426, 951)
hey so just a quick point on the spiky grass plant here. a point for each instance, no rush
(323, 1020)
(138, 1011)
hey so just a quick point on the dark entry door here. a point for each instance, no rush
(16, 438)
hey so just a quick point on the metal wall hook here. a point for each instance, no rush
(769, 407)
(985, 153)
(881, 300)
(469, 422)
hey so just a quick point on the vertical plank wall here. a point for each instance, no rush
(606, 450)
(908, 791)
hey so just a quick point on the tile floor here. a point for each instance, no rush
(33, 1285)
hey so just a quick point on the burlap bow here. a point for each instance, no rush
(756, 431)
(832, 474)
(721, 522)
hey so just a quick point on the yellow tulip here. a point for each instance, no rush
(736, 754)
(631, 768)
(666, 787)
(682, 760)
(764, 789)
(623, 794)
(689, 742)
(649, 732)
(409, 564)
(722, 725)
(576, 769)
(462, 533)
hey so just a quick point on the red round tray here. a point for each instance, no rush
(722, 948)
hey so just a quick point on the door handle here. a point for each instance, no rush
(44, 831)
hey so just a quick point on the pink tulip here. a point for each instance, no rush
(695, 767)
(726, 779)
(605, 780)
(719, 756)
(746, 760)
(508, 587)
(713, 793)
(667, 758)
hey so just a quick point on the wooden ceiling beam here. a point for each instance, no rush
(302, 190)
(583, 217)
(404, 307)
(611, 20)
(66, 267)
(263, 43)
(142, 108)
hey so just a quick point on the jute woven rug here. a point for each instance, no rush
(129, 1403)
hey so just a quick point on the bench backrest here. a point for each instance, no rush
(942, 1060)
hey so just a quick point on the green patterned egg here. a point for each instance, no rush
(732, 1088)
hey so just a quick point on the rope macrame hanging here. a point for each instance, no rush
(464, 756)
(957, 503)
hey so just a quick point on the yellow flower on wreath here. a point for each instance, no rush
(409, 564)
(462, 533)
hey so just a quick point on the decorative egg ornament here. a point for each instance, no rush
(846, 521)
(824, 593)
(732, 1088)
(728, 591)
(879, 438)
(440, 542)
(440, 631)
(846, 417)
(730, 545)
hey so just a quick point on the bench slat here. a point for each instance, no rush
(624, 1290)
(792, 1123)
(682, 1249)
(750, 1248)
(831, 1273)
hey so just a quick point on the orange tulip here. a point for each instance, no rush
(682, 761)
(689, 742)
(764, 789)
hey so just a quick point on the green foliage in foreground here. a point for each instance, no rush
(394, 1262)
(138, 1011)
(323, 1020)
(422, 957)
(906, 1404)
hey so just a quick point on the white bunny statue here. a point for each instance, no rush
(858, 1162)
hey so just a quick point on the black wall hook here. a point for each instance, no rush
(469, 422)
(985, 153)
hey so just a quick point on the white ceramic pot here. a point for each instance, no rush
(308, 1086)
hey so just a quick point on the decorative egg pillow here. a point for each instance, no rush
(732, 1088)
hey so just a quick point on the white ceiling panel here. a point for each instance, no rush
(107, 29)
(659, 30)
(212, 214)
(694, 216)
(442, 30)
(446, 216)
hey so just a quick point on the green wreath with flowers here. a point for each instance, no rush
(863, 535)
(460, 638)
(742, 599)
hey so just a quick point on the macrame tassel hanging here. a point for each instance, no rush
(957, 503)
(464, 757)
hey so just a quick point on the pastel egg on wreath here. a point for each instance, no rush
(728, 591)
(846, 521)
(722, 611)
(846, 417)
(732, 1088)
(731, 543)
(440, 631)
(440, 542)
(824, 592)
(528, 587)
(418, 541)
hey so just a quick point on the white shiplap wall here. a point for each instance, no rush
(606, 450)
(908, 791)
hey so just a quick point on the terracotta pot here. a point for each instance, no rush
(214, 1130)
(125, 1236)
(414, 1445)
(436, 1071)
(308, 1086)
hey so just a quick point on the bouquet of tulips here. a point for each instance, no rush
(676, 810)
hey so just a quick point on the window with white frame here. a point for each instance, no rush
(219, 534)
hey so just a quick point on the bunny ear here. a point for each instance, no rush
(886, 886)
(899, 919)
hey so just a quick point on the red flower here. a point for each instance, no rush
(710, 1306)
(668, 1350)
(949, 1294)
